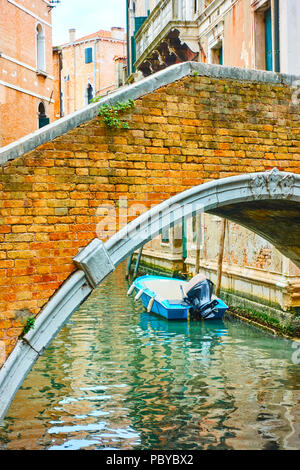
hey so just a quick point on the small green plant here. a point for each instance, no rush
(96, 99)
(29, 326)
(111, 114)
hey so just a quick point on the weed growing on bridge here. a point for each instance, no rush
(111, 114)
(29, 325)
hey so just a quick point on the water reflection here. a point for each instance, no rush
(117, 377)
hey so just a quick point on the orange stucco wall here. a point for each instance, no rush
(238, 24)
(99, 74)
(18, 64)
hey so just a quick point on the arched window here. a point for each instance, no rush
(40, 45)
(89, 94)
(43, 119)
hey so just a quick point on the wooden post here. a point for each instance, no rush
(137, 262)
(129, 265)
(198, 243)
(220, 257)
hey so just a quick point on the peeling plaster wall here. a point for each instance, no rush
(252, 267)
(238, 35)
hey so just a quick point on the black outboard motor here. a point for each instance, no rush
(199, 297)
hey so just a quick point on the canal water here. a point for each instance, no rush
(116, 377)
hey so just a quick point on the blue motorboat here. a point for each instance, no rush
(177, 299)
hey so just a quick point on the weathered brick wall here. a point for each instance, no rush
(181, 135)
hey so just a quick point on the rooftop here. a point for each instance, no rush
(116, 34)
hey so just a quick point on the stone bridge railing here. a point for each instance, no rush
(254, 191)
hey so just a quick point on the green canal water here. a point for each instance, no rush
(116, 377)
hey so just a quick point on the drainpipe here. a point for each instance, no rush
(220, 257)
(59, 82)
(95, 85)
(198, 243)
(74, 50)
(127, 36)
(276, 36)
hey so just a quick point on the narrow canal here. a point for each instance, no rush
(116, 377)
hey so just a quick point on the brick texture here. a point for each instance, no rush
(189, 132)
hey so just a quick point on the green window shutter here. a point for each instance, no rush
(268, 40)
(88, 55)
(221, 55)
(43, 121)
(133, 54)
(276, 36)
(138, 21)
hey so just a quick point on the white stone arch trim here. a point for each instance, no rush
(203, 198)
(99, 259)
(44, 104)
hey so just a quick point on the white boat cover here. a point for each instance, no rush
(195, 280)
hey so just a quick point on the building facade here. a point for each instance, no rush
(254, 274)
(88, 66)
(26, 68)
(258, 34)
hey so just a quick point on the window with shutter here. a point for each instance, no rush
(165, 235)
(268, 40)
(88, 55)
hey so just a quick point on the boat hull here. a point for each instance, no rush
(168, 313)
(164, 307)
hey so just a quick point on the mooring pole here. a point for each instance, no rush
(137, 264)
(198, 243)
(220, 257)
(129, 265)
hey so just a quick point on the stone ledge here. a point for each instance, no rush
(283, 322)
(243, 74)
(136, 90)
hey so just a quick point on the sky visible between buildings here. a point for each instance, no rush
(86, 16)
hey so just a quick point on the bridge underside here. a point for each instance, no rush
(267, 203)
(277, 221)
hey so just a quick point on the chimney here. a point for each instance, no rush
(72, 34)
(117, 33)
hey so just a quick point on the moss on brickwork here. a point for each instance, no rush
(282, 322)
(151, 268)
(289, 328)
(252, 298)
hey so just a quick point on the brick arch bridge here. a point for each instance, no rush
(192, 124)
